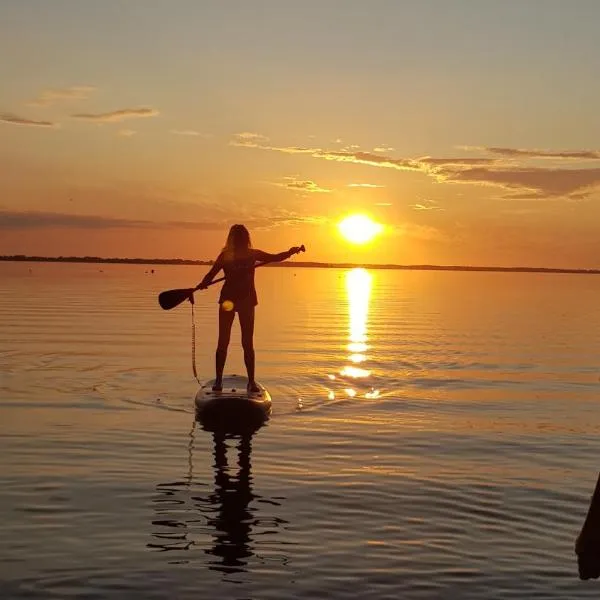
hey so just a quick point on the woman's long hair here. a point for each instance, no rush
(238, 242)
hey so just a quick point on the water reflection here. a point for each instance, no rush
(355, 377)
(232, 521)
(225, 523)
(358, 288)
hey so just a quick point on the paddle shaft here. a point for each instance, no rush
(218, 280)
(171, 298)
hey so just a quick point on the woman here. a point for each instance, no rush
(238, 295)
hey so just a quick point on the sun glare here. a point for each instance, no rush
(359, 229)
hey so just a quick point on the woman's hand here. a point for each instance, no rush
(295, 250)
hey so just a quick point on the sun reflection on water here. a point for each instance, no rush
(358, 289)
(355, 372)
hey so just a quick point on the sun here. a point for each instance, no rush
(359, 229)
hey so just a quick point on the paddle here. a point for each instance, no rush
(171, 298)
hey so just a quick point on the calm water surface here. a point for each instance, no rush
(434, 435)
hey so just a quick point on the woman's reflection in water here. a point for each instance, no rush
(229, 513)
(232, 495)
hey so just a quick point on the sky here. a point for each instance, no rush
(469, 129)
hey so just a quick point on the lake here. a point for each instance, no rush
(434, 435)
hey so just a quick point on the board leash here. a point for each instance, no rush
(194, 344)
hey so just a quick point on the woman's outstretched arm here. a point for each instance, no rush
(217, 266)
(267, 257)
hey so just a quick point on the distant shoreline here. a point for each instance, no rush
(312, 265)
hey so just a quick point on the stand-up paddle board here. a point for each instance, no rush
(233, 408)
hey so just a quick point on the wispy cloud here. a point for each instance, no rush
(190, 133)
(15, 220)
(248, 139)
(51, 96)
(365, 185)
(291, 183)
(524, 153)
(383, 149)
(426, 205)
(44, 220)
(365, 158)
(539, 182)
(457, 162)
(16, 120)
(126, 132)
(217, 220)
(118, 115)
(533, 182)
(425, 164)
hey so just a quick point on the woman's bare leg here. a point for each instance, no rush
(247, 326)
(225, 323)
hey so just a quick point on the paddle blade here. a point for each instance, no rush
(172, 298)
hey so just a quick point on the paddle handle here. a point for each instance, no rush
(302, 249)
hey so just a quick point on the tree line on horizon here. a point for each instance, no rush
(185, 261)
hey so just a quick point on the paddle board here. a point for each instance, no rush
(234, 407)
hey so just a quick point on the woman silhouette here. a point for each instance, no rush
(238, 295)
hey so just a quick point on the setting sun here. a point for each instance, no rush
(359, 229)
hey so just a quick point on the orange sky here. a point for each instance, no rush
(469, 133)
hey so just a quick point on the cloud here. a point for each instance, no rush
(21, 220)
(424, 164)
(365, 185)
(45, 220)
(426, 205)
(190, 132)
(560, 154)
(428, 161)
(291, 183)
(15, 120)
(383, 149)
(535, 182)
(359, 158)
(51, 96)
(126, 132)
(540, 182)
(118, 115)
(248, 139)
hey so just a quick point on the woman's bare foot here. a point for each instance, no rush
(217, 386)
(253, 387)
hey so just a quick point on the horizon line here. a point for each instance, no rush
(300, 264)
